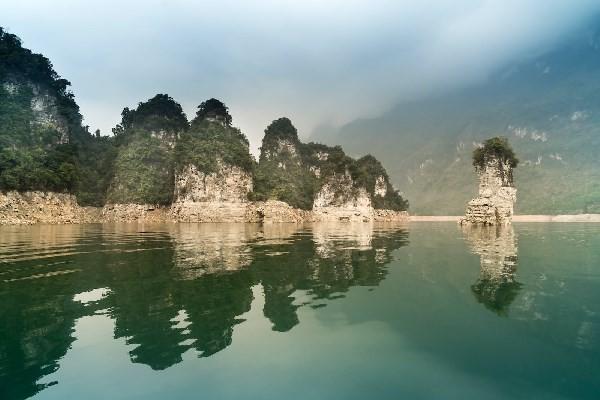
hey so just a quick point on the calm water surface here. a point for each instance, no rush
(423, 311)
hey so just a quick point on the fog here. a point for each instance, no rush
(317, 62)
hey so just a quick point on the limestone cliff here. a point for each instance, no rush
(213, 174)
(494, 163)
(144, 167)
(26, 208)
(340, 200)
(220, 196)
(158, 167)
(322, 178)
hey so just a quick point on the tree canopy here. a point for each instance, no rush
(497, 147)
(213, 109)
(160, 112)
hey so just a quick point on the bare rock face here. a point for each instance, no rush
(45, 113)
(134, 213)
(275, 211)
(495, 203)
(339, 200)
(390, 216)
(221, 196)
(26, 208)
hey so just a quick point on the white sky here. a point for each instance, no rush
(317, 62)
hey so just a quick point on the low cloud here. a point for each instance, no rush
(314, 61)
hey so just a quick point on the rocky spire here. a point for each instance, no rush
(494, 205)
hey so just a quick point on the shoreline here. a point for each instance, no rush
(516, 218)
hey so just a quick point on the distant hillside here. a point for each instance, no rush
(549, 108)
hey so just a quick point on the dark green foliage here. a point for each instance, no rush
(21, 64)
(282, 173)
(95, 162)
(35, 156)
(281, 128)
(213, 109)
(160, 113)
(143, 171)
(365, 173)
(286, 171)
(38, 169)
(208, 142)
(497, 147)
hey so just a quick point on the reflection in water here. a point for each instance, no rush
(496, 246)
(170, 289)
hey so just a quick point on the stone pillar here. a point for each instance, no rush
(494, 204)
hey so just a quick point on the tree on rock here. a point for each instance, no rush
(213, 110)
(496, 147)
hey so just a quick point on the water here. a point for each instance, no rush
(316, 312)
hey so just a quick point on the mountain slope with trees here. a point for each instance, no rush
(549, 107)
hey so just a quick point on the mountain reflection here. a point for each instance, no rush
(173, 289)
(496, 287)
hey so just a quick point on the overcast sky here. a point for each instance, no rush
(316, 61)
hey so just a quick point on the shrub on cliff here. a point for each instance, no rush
(144, 165)
(35, 156)
(160, 113)
(211, 139)
(366, 172)
(143, 172)
(282, 173)
(497, 147)
(292, 171)
(207, 143)
(213, 109)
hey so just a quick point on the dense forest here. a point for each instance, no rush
(44, 146)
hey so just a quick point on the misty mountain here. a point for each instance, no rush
(549, 108)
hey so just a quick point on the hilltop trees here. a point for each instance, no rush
(38, 147)
(144, 165)
(293, 172)
(497, 147)
(213, 109)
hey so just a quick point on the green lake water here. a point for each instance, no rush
(419, 311)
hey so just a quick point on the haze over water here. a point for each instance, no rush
(425, 310)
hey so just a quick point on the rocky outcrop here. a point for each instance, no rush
(28, 208)
(134, 213)
(495, 203)
(58, 208)
(339, 200)
(275, 211)
(221, 196)
(45, 112)
(390, 216)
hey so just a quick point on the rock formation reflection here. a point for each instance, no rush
(496, 246)
(171, 289)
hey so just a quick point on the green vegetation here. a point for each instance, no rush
(282, 173)
(207, 143)
(213, 109)
(95, 167)
(45, 147)
(367, 170)
(38, 150)
(160, 113)
(143, 171)
(292, 171)
(552, 120)
(496, 147)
